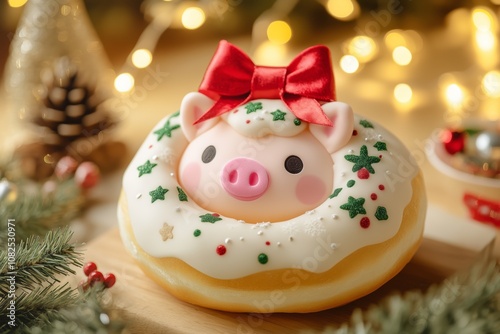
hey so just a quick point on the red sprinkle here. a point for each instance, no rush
(247, 121)
(150, 146)
(355, 132)
(215, 214)
(268, 243)
(381, 187)
(221, 249)
(373, 196)
(380, 156)
(365, 222)
(363, 174)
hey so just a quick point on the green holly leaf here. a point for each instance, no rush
(210, 218)
(182, 195)
(380, 146)
(364, 123)
(381, 213)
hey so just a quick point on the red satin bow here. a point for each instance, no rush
(232, 79)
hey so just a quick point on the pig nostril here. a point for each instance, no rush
(233, 176)
(253, 179)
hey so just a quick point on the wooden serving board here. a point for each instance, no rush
(147, 308)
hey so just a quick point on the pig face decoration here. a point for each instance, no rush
(260, 143)
(258, 162)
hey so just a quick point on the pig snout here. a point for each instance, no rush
(244, 179)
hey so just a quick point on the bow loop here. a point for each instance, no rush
(232, 79)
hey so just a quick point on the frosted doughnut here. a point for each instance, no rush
(348, 246)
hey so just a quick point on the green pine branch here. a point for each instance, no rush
(39, 260)
(35, 212)
(464, 303)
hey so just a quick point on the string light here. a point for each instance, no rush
(401, 55)
(141, 58)
(124, 82)
(403, 93)
(349, 64)
(193, 18)
(279, 32)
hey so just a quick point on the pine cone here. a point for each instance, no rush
(72, 109)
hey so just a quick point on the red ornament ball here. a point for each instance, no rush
(87, 175)
(453, 141)
(109, 280)
(89, 268)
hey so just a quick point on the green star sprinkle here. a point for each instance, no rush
(146, 168)
(364, 123)
(210, 218)
(167, 129)
(362, 160)
(354, 206)
(253, 107)
(380, 146)
(182, 195)
(158, 193)
(278, 115)
(335, 193)
(381, 213)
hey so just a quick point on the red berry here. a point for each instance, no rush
(89, 268)
(95, 276)
(221, 249)
(87, 175)
(65, 167)
(109, 280)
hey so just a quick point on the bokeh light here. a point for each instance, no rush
(363, 48)
(349, 64)
(454, 95)
(403, 93)
(344, 10)
(141, 58)
(401, 55)
(491, 84)
(124, 82)
(193, 18)
(16, 3)
(279, 32)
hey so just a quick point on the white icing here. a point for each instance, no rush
(314, 241)
(260, 122)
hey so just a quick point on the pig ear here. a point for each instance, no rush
(333, 138)
(192, 107)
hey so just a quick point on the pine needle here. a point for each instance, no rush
(35, 212)
(40, 260)
(464, 303)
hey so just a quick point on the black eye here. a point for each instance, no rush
(293, 164)
(208, 154)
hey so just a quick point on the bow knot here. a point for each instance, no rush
(232, 79)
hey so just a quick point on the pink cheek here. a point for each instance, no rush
(310, 190)
(190, 177)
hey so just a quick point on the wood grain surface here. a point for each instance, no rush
(147, 308)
